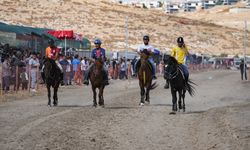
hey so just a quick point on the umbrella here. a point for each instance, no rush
(62, 34)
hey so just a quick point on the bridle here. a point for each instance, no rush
(175, 74)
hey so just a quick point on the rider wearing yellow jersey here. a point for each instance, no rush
(180, 52)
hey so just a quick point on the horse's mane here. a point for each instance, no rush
(146, 52)
(54, 71)
(172, 61)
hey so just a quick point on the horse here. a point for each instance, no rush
(96, 78)
(145, 77)
(52, 79)
(175, 76)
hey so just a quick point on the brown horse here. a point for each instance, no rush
(145, 77)
(97, 81)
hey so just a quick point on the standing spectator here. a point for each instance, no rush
(123, 70)
(113, 69)
(133, 63)
(64, 63)
(161, 68)
(243, 69)
(24, 79)
(68, 71)
(84, 65)
(75, 63)
(129, 68)
(33, 63)
(6, 74)
(78, 75)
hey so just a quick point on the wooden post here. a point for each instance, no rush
(29, 74)
(1, 77)
(17, 77)
(37, 72)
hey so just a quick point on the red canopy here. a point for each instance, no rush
(62, 34)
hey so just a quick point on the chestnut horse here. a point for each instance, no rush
(145, 76)
(96, 77)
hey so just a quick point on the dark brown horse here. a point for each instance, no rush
(145, 76)
(97, 81)
(52, 78)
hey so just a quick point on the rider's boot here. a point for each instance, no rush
(61, 76)
(43, 76)
(106, 78)
(137, 66)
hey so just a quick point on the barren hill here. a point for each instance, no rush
(105, 20)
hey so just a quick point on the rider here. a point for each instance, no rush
(52, 52)
(97, 52)
(180, 52)
(150, 49)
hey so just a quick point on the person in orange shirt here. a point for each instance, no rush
(52, 52)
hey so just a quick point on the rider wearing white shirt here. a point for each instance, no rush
(150, 49)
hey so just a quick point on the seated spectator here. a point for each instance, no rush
(24, 79)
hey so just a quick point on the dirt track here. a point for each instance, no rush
(218, 117)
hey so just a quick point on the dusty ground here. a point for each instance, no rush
(218, 117)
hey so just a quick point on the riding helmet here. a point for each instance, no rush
(180, 40)
(98, 41)
(146, 37)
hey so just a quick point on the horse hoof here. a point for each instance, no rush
(184, 110)
(94, 105)
(141, 104)
(172, 113)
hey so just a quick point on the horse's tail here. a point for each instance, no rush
(153, 86)
(190, 87)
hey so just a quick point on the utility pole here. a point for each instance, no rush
(245, 46)
(126, 34)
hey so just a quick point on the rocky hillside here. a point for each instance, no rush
(105, 20)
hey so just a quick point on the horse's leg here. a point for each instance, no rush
(147, 95)
(174, 100)
(55, 96)
(101, 100)
(94, 96)
(180, 97)
(142, 95)
(183, 98)
(48, 89)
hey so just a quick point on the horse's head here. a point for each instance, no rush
(47, 64)
(171, 71)
(99, 62)
(50, 68)
(144, 55)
